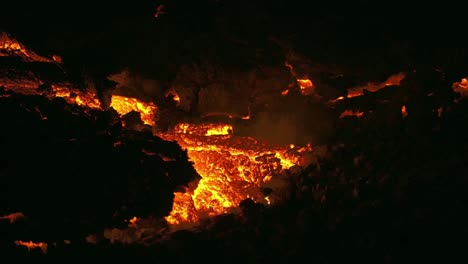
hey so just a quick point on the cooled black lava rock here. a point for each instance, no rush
(73, 170)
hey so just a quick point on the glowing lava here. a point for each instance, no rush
(121, 104)
(29, 83)
(124, 105)
(232, 170)
(348, 112)
(373, 87)
(461, 87)
(174, 94)
(85, 99)
(133, 222)
(10, 46)
(403, 111)
(32, 245)
(305, 84)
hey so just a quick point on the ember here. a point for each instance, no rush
(219, 130)
(132, 222)
(403, 111)
(9, 46)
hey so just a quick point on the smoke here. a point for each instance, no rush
(279, 128)
(291, 120)
(134, 85)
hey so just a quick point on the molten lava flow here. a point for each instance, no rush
(88, 101)
(229, 115)
(121, 104)
(31, 245)
(85, 99)
(203, 129)
(219, 130)
(232, 169)
(124, 105)
(29, 84)
(10, 46)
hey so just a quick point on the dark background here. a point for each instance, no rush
(107, 35)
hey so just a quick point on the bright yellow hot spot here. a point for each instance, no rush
(124, 105)
(305, 83)
(219, 130)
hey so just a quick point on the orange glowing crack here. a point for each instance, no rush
(174, 94)
(305, 84)
(348, 112)
(11, 45)
(13, 217)
(373, 87)
(32, 245)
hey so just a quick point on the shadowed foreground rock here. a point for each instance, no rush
(73, 171)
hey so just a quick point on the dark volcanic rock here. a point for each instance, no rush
(71, 170)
